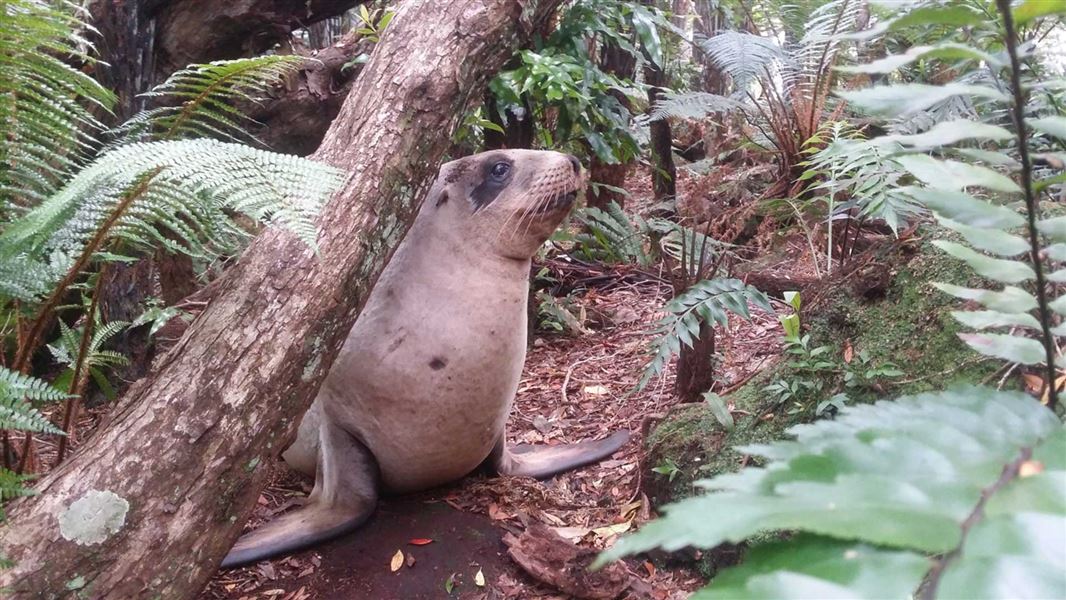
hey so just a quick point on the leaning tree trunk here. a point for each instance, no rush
(149, 505)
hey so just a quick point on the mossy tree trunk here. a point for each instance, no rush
(166, 484)
(664, 173)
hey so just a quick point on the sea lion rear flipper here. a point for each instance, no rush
(345, 494)
(542, 462)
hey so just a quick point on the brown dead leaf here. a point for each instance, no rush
(397, 561)
(1033, 383)
(650, 568)
(849, 352)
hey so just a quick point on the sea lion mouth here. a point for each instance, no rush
(559, 202)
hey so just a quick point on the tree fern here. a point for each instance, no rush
(745, 57)
(692, 105)
(46, 105)
(208, 94)
(612, 236)
(708, 301)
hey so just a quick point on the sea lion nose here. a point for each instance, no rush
(575, 163)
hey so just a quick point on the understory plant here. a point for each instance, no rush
(76, 198)
(952, 494)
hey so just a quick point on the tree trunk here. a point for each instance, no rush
(163, 488)
(695, 366)
(664, 174)
(196, 31)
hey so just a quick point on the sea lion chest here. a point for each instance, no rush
(428, 374)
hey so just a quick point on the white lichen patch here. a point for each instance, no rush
(93, 517)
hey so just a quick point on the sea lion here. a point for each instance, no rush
(420, 393)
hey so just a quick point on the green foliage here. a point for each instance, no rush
(880, 486)
(17, 393)
(612, 236)
(207, 94)
(708, 301)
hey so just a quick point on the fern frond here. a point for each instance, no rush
(183, 187)
(16, 393)
(816, 51)
(708, 301)
(612, 237)
(46, 122)
(208, 93)
(13, 485)
(743, 56)
(691, 105)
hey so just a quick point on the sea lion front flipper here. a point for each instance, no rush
(345, 494)
(542, 462)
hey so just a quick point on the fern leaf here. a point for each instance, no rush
(208, 93)
(745, 57)
(16, 393)
(708, 301)
(691, 105)
(45, 104)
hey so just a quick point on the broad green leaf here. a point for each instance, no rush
(1056, 252)
(950, 132)
(1006, 577)
(988, 156)
(648, 32)
(905, 98)
(1008, 347)
(816, 567)
(1057, 276)
(1055, 126)
(952, 15)
(1054, 228)
(985, 319)
(904, 474)
(1058, 305)
(1007, 271)
(1034, 9)
(964, 208)
(1011, 299)
(989, 240)
(955, 175)
(945, 51)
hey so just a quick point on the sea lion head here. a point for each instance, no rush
(506, 201)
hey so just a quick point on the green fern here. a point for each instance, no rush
(17, 391)
(972, 475)
(46, 105)
(613, 236)
(692, 105)
(708, 301)
(208, 93)
(745, 57)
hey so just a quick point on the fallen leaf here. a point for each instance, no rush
(596, 390)
(541, 424)
(573, 534)
(479, 578)
(650, 568)
(849, 352)
(1030, 468)
(449, 583)
(1033, 383)
(410, 560)
(397, 561)
(615, 529)
(420, 541)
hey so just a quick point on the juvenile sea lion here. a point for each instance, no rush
(420, 393)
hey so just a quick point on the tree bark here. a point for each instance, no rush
(664, 174)
(196, 31)
(168, 481)
(695, 366)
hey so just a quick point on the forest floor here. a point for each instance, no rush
(573, 388)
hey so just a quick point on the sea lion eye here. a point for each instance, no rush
(500, 170)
